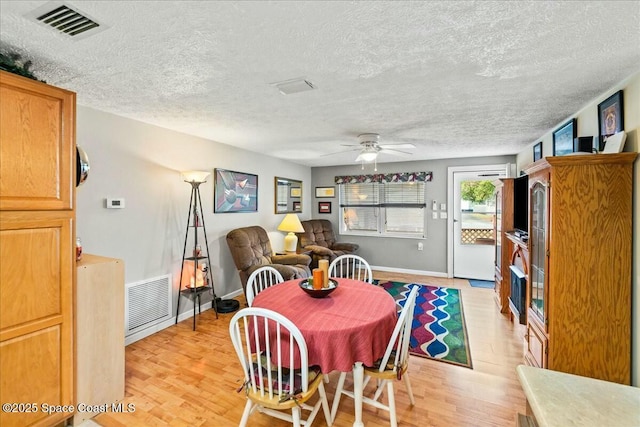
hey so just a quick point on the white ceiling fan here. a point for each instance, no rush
(369, 147)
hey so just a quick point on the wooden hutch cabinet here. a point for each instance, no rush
(504, 223)
(37, 249)
(579, 288)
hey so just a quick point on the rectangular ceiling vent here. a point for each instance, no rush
(287, 87)
(66, 20)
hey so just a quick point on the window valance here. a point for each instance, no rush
(385, 178)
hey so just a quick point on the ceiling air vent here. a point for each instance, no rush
(66, 20)
(287, 87)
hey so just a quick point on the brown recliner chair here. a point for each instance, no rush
(318, 239)
(251, 249)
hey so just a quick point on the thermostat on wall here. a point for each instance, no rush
(114, 203)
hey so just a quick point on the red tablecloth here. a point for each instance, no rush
(353, 324)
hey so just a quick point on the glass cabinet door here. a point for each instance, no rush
(538, 249)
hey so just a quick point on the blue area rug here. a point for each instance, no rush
(482, 283)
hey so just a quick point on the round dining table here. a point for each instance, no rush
(343, 331)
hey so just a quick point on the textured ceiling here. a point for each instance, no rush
(457, 79)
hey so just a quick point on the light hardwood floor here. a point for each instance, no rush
(180, 377)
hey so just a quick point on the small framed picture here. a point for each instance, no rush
(563, 138)
(324, 207)
(297, 207)
(610, 117)
(537, 151)
(296, 192)
(325, 192)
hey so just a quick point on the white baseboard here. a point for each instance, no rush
(408, 271)
(172, 321)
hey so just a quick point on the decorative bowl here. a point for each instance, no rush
(307, 286)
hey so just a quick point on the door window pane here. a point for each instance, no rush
(478, 208)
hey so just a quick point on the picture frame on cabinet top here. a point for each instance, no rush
(537, 151)
(610, 117)
(563, 138)
(615, 143)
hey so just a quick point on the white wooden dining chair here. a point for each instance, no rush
(261, 279)
(352, 267)
(392, 366)
(266, 343)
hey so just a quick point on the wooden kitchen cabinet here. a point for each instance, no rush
(37, 145)
(37, 250)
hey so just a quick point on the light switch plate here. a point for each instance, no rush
(434, 215)
(443, 206)
(443, 215)
(435, 205)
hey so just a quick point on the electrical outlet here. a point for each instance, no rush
(420, 246)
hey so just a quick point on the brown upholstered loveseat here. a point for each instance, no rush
(250, 248)
(320, 240)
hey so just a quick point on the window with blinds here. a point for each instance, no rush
(389, 209)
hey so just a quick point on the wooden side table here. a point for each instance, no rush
(297, 252)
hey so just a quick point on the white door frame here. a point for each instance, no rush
(450, 194)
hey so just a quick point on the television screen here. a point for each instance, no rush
(521, 203)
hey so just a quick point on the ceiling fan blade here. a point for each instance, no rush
(340, 152)
(395, 152)
(392, 146)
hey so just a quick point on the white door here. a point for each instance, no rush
(474, 222)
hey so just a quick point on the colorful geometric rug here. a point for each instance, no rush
(439, 330)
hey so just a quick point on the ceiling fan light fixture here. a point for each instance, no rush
(368, 156)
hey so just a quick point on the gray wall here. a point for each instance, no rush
(141, 163)
(402, 253)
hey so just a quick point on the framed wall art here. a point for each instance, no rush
(610, 117)
(563, 138)
(324, 207)
(326, 192)
(235, 192)
(295, 192)
(297, 206)
(537, 151)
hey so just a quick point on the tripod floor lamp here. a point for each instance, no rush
(195, 272)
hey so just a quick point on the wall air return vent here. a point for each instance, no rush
(66, 20)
